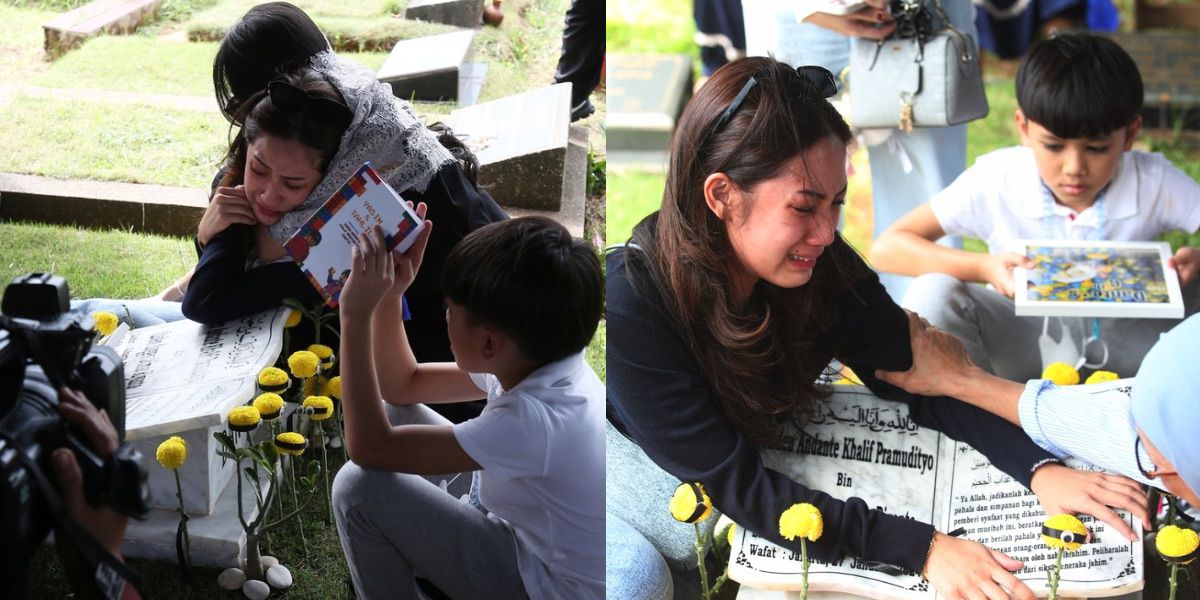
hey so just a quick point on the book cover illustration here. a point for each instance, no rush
(322, 246)
(1098, 279)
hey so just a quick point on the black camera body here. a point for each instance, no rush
(44, 346)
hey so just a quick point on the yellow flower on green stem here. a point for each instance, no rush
(290, 442)
(172, 453)
(1061, 374)
(269, 406)
(272, 379)
(244, 418)
(333, 387)
(293, 319)
(106, 322)
(323, 352)
(1101, 377)
(318, 408)
(1177, 544)
(731, 532)
(801, 520)
(1064, 531)
(690, 503)
(303, 363)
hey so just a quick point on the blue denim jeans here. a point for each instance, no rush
(144, 312)
(632, 567)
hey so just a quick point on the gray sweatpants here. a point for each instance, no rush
(395, 527)
(1007, 345)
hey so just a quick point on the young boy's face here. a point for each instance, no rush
(1076, 169)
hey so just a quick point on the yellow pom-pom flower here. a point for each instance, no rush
(323, 352)
(172, 453)
(731, 532)
(106, 322)
(269, 406)
(290, 442)
(333, 388)
(690, 503)
(801, 520)
(303, 363)
(272, 379)
(1101, 377)
(1064, 531)
(318, 408)
(293, 319)
(1177, 544)
(244, 418)
(1061, 374)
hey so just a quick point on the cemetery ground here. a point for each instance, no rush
(666, 27)
(139, 108)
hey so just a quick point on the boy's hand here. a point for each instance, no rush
(228, 206)
(408, 263)
(372, 273)
(1186, 262)
(997, 270)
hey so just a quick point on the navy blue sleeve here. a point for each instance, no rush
(872, 333)
(222, 289)
(659, 398)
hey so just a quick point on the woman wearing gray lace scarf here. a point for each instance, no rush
(277, 36)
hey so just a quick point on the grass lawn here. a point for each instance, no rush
(21, 44)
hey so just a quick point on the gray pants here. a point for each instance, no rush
(1007, 345)
(395, 527)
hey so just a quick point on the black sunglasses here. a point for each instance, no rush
(817, 78)
(288, 97)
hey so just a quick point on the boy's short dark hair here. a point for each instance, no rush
(532, 280)
(1079, 85)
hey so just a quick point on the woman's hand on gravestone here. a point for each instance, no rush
(1062, 489)
(961, 569)
(229, 205)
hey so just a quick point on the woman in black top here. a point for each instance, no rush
(732, 299)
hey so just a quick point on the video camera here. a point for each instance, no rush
(44, 346)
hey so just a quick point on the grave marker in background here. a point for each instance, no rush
(646, 93)
(427, 68)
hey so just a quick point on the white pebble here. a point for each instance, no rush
(231, 579)
(335, 442)
(256, 590)
(268, 562)
(279, 577)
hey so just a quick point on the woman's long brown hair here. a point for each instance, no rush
(761, 359)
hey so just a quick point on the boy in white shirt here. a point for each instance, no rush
(1075, 177)
(524, 298)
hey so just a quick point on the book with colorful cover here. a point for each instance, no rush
(322, 246)
(1098, 279)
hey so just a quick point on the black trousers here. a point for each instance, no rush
(582, 49)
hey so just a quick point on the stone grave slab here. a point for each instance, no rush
(460, 13)
(646, 93)
(72, 28)
(182, 379)
(470, 83)
(427, 68)
(521, 142)
(1170, 67)
(571, 213)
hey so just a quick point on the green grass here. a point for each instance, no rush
(110, 142)
(96, 264)
(632, 195)
(135, 64)
(21, 44)
(997, 130)
(597, 350)
(521, 54)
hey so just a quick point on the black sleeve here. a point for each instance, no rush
(222, 289)
(657, 395)
(872, 333)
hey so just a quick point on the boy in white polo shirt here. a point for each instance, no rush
(1075, 177)
(524, 298)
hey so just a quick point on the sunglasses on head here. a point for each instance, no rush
(288, 98)
(818, 79)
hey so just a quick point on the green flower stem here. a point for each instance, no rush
(1173, 583)
(185, 560)
(296, 503)
(803, 570)
(1056, 573)
(325, 476)
(700, 552)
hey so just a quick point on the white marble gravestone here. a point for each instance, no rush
(182, 379)
(521, 142)
(427, 68)
(460, 13)
(859, 445)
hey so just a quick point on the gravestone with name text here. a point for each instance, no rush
(646, 93)
(1170, 67)
(522, 144)
(460, 13)
(427, 68)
